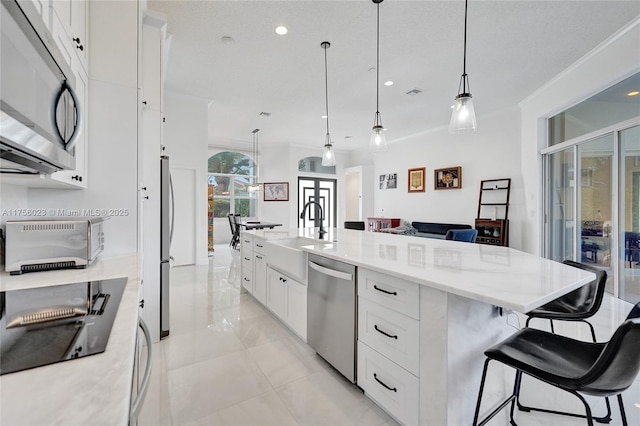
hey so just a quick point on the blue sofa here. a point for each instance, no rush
(425, 229)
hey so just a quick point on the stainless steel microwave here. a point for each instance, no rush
(39, 111)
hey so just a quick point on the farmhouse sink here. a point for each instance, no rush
(286, 256)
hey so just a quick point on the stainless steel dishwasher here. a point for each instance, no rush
(331, 313)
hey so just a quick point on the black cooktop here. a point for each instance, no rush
(41, 326)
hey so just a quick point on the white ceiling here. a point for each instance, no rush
(513, 48)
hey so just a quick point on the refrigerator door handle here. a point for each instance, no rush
(173, 211)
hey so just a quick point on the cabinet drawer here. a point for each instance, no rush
(247, 280)
(392, 292)
(392, 387)
(258, 245)
(394, 335)
(247, 264)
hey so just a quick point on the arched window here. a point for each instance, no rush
(314, 165)
(231, 173)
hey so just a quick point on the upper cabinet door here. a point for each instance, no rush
(72, 16)
(79, 31)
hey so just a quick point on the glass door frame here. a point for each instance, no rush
(617, 189)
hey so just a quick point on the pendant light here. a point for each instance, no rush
(378, 140)
(463, 116)
(256, 186)
(328, 157)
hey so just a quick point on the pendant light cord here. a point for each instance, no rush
(377, 61)
(326, 83)
(464, 59)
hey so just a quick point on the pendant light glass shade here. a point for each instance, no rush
(463, 116)
(256, 186)
(328, 156)
(378, 142)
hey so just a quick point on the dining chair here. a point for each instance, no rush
(237, 221)
(575, 366)
(232, 225)
(464, 235)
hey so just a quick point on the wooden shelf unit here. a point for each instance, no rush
(376, 224)
(492, 232)
(492, 221)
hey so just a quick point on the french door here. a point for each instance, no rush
(322, 191)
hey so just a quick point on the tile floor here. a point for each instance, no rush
(228, 361)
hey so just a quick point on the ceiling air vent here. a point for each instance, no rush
(414, 92)
(265, 114)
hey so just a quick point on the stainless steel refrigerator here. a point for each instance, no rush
(167, 209)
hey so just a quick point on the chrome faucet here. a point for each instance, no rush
(321, 231)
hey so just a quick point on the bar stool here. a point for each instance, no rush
(577, 305)
(599, 369)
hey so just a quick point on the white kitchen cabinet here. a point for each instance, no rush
(260, 277)
(69, 28)
(287, 299)
(43, 8)
(276, 293)
(389, 343)
(78, 177)
(296, 302)
(246, 268)
(153, 35)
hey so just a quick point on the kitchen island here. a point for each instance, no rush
(92, 390)
(440, 304)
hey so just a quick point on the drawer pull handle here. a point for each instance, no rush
(375, 376)
(259, 257)
(246, 279)
(258, 245)
(382, 332)
(247, 258)
(393, 293)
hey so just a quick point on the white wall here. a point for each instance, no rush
(491, 152)
(615, 59)
(185, 141)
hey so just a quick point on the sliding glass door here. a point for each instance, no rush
(629, 283)
(592, 208)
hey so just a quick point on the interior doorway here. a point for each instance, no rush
(353, 194)
(323, 191)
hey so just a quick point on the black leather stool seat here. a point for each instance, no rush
(577, 305)
(599, 369)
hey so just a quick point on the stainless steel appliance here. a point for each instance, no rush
(39, 111)
(167, 210)
(45, 325)
(331, 313)
(41, 245)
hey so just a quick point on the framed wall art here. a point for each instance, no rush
(276, 191)
(416, 180)
(449, 178)
(389, 181)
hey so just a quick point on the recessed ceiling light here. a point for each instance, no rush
(388, 83)
(323, 116)
(634, 93)
(281, 30)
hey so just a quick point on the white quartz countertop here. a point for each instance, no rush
(92, 390)
(501, 276)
